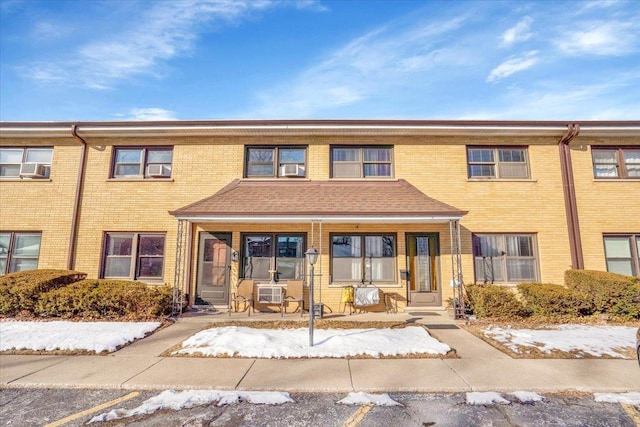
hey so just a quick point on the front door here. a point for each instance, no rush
(214, 257)
(422, 261)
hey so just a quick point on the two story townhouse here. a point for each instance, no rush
(409, 208)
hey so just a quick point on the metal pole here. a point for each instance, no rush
(311, 308)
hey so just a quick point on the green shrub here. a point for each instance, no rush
(494, 301)
(19, 291)
(546, 299)
(613, 294)
(103, 298)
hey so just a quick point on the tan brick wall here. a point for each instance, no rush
(436, 166)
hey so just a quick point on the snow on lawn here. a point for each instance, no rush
(485, 398)
(176, 401)
(64, 335)
(361, 398)
(294, 343)
(593, 340)
(631, 398)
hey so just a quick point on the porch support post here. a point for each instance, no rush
(456, 270)
(179, 280)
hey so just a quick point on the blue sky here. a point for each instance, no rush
(285, 59)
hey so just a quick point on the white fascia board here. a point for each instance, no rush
(324, 219)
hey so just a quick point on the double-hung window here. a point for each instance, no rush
(363, 258)
(498, 162)
(266, 255)
(622, 253)
(19, 251)
(362, 162)
(505, 258)
(29, 162)
(134, 256)
(142, 162)
(275, 162)
(616, 162)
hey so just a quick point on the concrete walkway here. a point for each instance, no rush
(480, 367)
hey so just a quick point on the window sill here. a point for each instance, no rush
(272, 178)
(16, 179)
(140, 180)
(501, 180)
(357, 284)
(365, 179)
(616, 180)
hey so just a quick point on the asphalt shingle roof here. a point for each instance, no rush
(324, 198)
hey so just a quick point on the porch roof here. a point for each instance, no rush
(327, 201)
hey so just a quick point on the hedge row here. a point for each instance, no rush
(586, 293)
(20, 291)
(73, 296)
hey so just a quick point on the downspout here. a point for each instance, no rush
(75, 219)
(570, 203)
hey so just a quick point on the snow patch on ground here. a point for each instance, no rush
(596, 341)
(65, 335)
(631, 398)
(177, 400)
(294, 343)
(360, 398)
(527, 396)
(485, 398)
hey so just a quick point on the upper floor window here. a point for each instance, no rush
(275, 162)
(363, 258)
(506, 258)
(27, 162)
(142, 162)
(279, 254)
(616, 162)
(361, 162)
(622, 253)
(134, 256)
(19, 251)
(497, 162)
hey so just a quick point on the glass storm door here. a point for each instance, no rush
(214, 256)
(422, 261)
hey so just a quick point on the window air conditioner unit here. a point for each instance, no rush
(33, 170)
(158, 171)
(290, 170)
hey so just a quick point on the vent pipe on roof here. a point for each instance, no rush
(571, 206)
(75, 219)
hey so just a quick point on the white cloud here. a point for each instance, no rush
(362, 69)
(518, 33)
(611, 38)
(313, 5)
(513, 65)
(151, 114)
(162, 32)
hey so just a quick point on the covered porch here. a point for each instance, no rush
(386, 237)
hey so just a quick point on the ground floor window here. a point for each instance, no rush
(363, 258)
(134, 256)
(266, 252)
(622, 253)
(506, 258)
(19, 251)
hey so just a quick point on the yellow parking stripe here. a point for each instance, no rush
(358, 416)
(92, 410)
(632, 412)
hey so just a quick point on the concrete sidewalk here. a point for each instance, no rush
(480, 367)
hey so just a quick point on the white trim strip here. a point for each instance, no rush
(325, 219)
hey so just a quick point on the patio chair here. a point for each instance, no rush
(244, 295)
(294, 294)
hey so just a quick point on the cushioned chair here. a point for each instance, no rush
(294, 294)
(244, 295)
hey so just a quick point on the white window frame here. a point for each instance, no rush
(361, 161)
(277, 162)
(25, 158)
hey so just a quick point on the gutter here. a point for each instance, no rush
(570, 203)
(75, 219)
